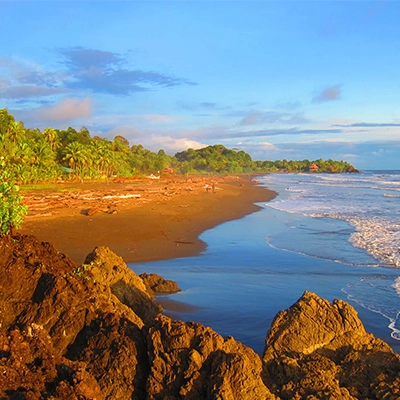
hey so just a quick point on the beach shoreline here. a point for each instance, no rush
(142, 219)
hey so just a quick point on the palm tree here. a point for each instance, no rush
(15, 131)
(75, 155)
(101, 155)
(52, 138)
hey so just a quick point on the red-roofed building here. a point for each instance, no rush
(313, 167)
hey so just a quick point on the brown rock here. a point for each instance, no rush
(93, 331)
(158, 284)
(190, 361)
(129, 288)
(321, 349)
(114, 350)
(84, 319)
(30, 369)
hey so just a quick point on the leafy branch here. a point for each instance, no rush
(11, 211)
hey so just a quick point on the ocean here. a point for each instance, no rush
(337, 235)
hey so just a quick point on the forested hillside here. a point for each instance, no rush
(35, 156)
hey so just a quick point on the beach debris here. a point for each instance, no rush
(91, 211)
(122, 196)
(151, 176)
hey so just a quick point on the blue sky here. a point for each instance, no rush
(278, 79)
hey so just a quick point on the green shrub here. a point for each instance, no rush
(11, 211)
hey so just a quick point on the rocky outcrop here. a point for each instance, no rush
(94, 314)
(94, 332)
(31, 370)
(157, 284)
(190, 361)
(111, 270)
(321, 349)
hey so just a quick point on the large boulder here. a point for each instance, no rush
(190, 361)
(114, 350)
(317, 348)
(111, 270)
(92, 313)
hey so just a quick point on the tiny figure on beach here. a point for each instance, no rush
(207, 187)
(213, 187)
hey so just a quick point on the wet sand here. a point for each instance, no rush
(140, 219)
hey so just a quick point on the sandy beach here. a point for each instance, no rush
(139, 219)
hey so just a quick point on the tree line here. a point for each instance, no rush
(34, 156)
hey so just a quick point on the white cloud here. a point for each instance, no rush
(267, 146)
(350, 156)
(172, 145)
(66, 110)
(153, 140)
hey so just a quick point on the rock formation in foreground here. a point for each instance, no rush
(94, 331)
(319, 350)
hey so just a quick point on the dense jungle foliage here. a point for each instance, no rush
(35, 156)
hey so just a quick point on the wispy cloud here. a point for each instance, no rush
(367, 125)
(277, 132)
(69, 109)
(201, 106)
(66, 110)
(25, 80)
(85, 71)
(330, 93)
(25, 92)
(107, 72)
(260, 117)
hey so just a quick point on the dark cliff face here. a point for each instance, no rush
(95, 332)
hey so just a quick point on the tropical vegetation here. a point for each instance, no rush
(33, 156)
(11, 210)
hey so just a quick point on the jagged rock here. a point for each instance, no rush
(24, 261)
(83, 317)
(93, 331)
(42, 286)
(190, 361)
(158, 284)
(30, 369)
(321, 349)
(115, 353)
(129, 288)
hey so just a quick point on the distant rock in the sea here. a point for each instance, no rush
(158, 284)
(94, 331)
